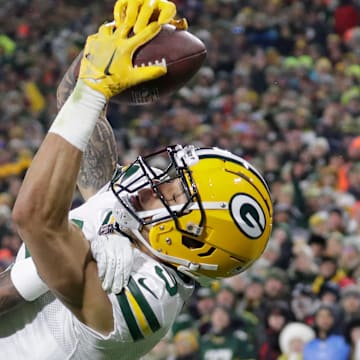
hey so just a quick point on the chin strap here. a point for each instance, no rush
(203, 280)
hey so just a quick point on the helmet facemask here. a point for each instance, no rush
(141, 175)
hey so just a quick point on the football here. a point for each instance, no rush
(184, 54)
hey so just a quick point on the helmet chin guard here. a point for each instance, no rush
(222, 223)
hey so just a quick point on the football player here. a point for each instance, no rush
(207, 214)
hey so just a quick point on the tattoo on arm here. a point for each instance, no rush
(9, 296)
(99, 159)
(68, 82)
(100, 156)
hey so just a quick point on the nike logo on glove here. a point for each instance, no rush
(107, 67)
(142, 283)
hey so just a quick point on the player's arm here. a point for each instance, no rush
(59, 249)
(21, 283)
(100, 156)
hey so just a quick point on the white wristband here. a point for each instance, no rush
(26, 280)
(76, 120)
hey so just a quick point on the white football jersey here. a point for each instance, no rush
(143, 311)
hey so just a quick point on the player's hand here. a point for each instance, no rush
(114, 256)
(107, 65)
(137, 14)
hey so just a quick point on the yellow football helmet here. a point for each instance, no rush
(221, 228)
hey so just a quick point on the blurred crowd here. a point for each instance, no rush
(281, 88)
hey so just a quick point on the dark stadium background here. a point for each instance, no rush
(280, 87)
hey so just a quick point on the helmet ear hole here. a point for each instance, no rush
(191, 243)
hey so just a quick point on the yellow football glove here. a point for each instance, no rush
(107, 66)
(136, 14)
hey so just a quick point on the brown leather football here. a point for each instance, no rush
(184, 54)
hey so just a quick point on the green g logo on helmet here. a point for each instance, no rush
(248, 215)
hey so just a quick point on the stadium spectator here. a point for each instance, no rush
(277, 316)
(224, 339)
(327, 344)
(352, 337)
(293, 337)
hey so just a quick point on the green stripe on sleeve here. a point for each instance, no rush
(78, 223)
(107, 218)
(27, 252)
(144, 305)
(129, 317)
